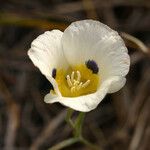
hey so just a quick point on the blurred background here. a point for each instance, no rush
(121, 121)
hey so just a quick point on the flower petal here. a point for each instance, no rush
(117, 85)
(46, 52)
(92, 40)
(83, 103)
(113, 58)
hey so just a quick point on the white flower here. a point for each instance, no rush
(83, 63)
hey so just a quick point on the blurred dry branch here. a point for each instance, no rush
(135, 43)
(13, 115)
(48, 131)
(89, 6)
(140, 127)
(15, 19)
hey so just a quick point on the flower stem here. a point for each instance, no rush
(68, 117)
(77, 130)
(64, 144)
(78, 124)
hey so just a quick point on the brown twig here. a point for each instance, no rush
(13, 113)
(48, 130)
(89, 7)
(16, 19)
(141, 123)
(135, 43)
(141, 93)
(145, 141)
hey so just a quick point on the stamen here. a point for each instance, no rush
(86, 84)
(78, 76)
(79, 86)
(72, 76)
(76, 82)
(69, 81)
(80, 83)
(73, 89)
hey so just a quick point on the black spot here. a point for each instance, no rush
(54, 73)
(92, 65)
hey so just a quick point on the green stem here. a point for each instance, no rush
(64, 144)
(68, 117)
(77, 128)
(78, 124)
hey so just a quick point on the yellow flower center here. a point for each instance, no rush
(76, 81)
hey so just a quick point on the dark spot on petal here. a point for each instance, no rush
(92, 65)
(54, 73)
